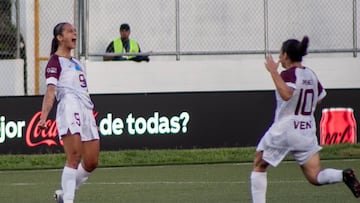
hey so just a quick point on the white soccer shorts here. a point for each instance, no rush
(280, 141)
(73, 116)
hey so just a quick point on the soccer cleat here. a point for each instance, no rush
(58, 195)
(351, 181)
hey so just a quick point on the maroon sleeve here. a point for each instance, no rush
(53, 67)
(289, 75)
(320, 88)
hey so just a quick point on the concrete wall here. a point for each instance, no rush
(211, 75)
(12, 77)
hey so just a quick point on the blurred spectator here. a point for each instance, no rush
(124, 45)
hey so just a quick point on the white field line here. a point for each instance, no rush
(166, 183)
(163, 182)
(187, 182)
(169, 166)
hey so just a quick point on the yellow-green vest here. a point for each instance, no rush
(118, 47)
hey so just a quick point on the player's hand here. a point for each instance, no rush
(271, 65)
(42, 125)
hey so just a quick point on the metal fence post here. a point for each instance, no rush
(266, 28)
(177, 29)
(17, 29)
(77, 6)
(86, 29)
(82, 7)
(355, 28)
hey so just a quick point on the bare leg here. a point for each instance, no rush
(90, 156)
(318, 176)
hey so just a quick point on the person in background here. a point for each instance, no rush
(124, 44)
(66, 81)
(293, 131)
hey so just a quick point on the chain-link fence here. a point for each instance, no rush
(328, 23)
(50, 13)
(186, 27)
(202, 25)
(12, 46)
(175, 28)
(11, 42)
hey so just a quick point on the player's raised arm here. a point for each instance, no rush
(285, 91)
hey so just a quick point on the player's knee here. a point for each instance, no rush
(89, 166)
(73, 162)
(260, 167)
(259, 164)
(73, 159)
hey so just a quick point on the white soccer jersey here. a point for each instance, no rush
(74, 110)
(307, 92)
(69, 77)
(294, 127)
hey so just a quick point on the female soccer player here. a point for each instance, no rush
(66, 80)
(293, 131)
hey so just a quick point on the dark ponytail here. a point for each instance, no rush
(295, 49)
(58, 29)
(304, 45)
(54, 46)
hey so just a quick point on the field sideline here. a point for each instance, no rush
(228, 182)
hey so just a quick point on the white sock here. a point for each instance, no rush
(68, 201)
(258, 186)
(329, 176)
(81, 176)
(68, 182)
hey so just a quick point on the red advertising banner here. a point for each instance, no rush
(338, 125)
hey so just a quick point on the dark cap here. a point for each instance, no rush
(124, 26)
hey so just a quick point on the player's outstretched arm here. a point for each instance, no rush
(47, 105)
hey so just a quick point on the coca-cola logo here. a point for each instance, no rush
(337, 126)
(339, 137)
(34, 136)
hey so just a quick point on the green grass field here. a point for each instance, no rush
(227, 182)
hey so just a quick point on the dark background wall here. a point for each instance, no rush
(159, 121)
